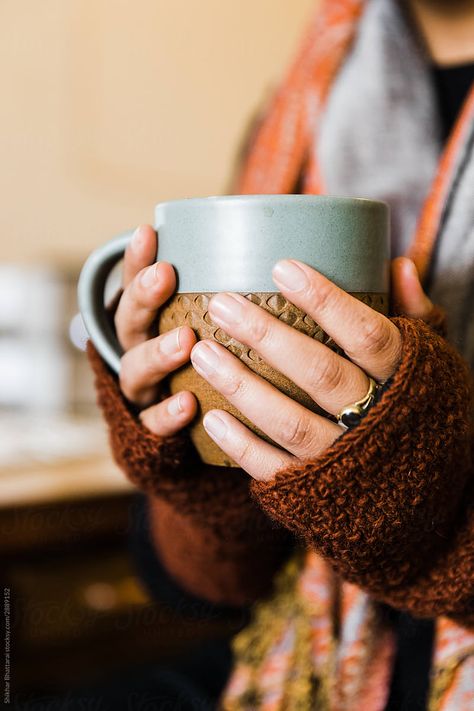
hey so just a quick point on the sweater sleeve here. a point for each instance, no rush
(390, 503)
(209, 533)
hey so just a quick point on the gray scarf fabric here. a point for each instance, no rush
(380, 138)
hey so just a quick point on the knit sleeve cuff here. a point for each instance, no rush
(216, 499)
(148, 460)
(382, 500)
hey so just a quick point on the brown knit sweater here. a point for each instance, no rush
(210, 534)
(390, 504)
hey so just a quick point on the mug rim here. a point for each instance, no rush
(276, 197)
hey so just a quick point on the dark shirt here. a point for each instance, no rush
(452, 86)
(195, 680)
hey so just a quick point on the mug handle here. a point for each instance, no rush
(90, 294)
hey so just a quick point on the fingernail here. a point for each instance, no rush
(205, 359)
(411, 267)
(174, 406)
(170, 343)
(137, 239)
(290, 275)
(214, 426)
(227, 308)
(148, 277)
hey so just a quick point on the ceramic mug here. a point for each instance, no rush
(231, 244)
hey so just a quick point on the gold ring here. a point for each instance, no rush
(351, 415)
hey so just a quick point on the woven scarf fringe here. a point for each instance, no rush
(303, 691)
(444, 677)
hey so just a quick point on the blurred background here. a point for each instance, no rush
(108, 106)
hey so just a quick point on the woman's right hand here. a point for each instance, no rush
(147, 285)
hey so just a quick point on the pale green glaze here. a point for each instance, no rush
(231, 244)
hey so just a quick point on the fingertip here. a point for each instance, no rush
(170, 416)
(155, 284)
(140, 252)
(215, 425)
(143, 242)
(166, 274)
(188, 403)
(404, 266)
(404, 276)
(196, 347)
(209, 342)
(410, 268)
(213, 413)
(410, 298)
(187, 338)
(397, 263)
(182, 406)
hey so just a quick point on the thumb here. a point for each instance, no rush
(408, 296)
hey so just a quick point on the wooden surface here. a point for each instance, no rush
(64, 480)
(51, 458)
(80, 614)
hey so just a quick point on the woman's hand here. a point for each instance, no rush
(371, 342)
(147, 285)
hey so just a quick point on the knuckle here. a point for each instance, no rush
(137, 370)
(260, 328)
(322, 296)
(244, 453)
(158, 355)
(152, 361)
(118, 317)
(376, 337)
(125, 319)
(233, 385)
(126, 379)
(324, 374)
(295, 432)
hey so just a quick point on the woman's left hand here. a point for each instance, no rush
(371, 342)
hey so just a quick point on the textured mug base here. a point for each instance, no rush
(192, 310)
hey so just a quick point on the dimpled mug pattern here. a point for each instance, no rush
(192, 310)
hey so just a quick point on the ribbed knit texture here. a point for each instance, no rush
(389, 504)
(212, 536)
(385, 503)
